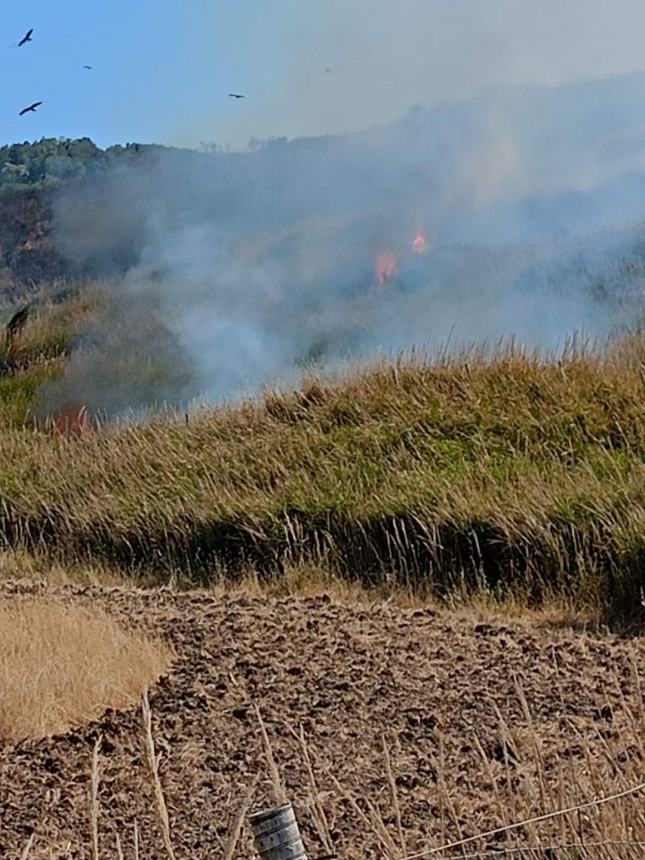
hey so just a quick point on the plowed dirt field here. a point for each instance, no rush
(486, 723)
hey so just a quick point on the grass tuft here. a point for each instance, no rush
(62, 665)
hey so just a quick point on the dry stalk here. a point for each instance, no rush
(641, 695)
(561, 800)
(379, 826)
(384, 839)
(444, 788)
(135, 841)
(507, 743)
(94, 800)
(493, 783)
(535, 745)
(119, 849)
(320, 819)
(236, 830)
(153, 763)
(549, 816)
(28, 846)
(279, 794)
(395, 795)
(554, 851)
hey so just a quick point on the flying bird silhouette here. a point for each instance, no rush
(26, 38)
(87, 67)
(31, 108)
(235, 96)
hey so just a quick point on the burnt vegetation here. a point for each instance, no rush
(29, 174)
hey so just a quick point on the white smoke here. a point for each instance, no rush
(256, 263)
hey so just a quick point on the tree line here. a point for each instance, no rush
(49, 162)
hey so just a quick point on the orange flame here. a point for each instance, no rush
(72, 420)
(386, 266)
(420, 243)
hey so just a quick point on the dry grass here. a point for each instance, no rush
(514, 477)
(499, 473)
(153, 764)
(20, 564)
(50, 327)
(37, 355)
(605, 822)
(61, 666)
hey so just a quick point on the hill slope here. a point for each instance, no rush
(512, 473)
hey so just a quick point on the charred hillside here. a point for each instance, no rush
(27, 253)
(31, 175)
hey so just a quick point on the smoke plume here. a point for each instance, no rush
(518, 212)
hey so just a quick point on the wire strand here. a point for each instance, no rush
(546, 817)
(535, 849)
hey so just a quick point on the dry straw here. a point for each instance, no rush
(62, 664)
(28, 846)
(153, 763)
(560, 851)
(279, 794)
(94, 800)
(394, 794)
(238, 823)
(414, 467)
(119, 848)
(320, 819)
(536, 820)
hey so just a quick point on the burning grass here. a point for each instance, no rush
(505, 473)
(61, 666)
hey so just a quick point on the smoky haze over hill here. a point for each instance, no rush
(518, 212)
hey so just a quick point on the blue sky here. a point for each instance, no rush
(162, 70)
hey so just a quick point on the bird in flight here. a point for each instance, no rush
(26, 38)
(30, 109)
(235, 96)
(87, 67)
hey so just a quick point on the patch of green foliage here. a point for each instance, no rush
(18, 393)
(50, 162)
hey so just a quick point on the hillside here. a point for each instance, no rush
(322, 456)
(30, 176)
(514, 167)
(508, 474)
(27, 254)
(184, 278)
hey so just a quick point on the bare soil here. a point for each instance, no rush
(486, 723)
